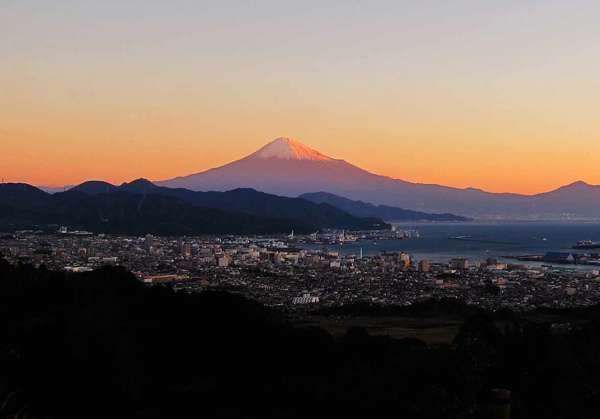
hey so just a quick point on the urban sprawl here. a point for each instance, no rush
(283, 271)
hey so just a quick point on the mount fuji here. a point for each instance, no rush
(283, 167)
(289, 168)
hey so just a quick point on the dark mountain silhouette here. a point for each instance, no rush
(127, 213)
(249, 201)
(94, 187)
(385, 212)
(131, 211)
(21, 194)
(287, 167)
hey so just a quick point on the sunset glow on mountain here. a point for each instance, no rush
(288, 149)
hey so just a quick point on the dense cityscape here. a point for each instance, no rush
(282, 271)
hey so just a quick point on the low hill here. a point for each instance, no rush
(94, 187)
(385, 212)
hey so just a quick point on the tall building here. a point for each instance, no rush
(459, 263)
(404, 259)
(149, 242)
(424, 266)
(224, 261)
(186, 249)
(491, 261)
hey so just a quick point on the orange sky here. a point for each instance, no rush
(503, 100)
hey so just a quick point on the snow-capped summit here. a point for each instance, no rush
(289, 149)
(283, 166)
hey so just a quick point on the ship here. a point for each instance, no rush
(587, 244)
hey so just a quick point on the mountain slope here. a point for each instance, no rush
(23, 206)
(575, 198)
(272, 170)
(388, 213)
(286, 167)
(255, 203)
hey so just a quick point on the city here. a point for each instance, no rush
(280, 271)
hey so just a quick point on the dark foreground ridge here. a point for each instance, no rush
(102, 344)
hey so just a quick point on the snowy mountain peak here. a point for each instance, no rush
(289, 149)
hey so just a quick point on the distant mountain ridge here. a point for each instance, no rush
(26, 207)
(140, 207)
(387, 213)
(280, 169)
(248, 201)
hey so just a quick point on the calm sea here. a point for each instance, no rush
(483, 240)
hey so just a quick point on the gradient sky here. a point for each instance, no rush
(503, 96)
